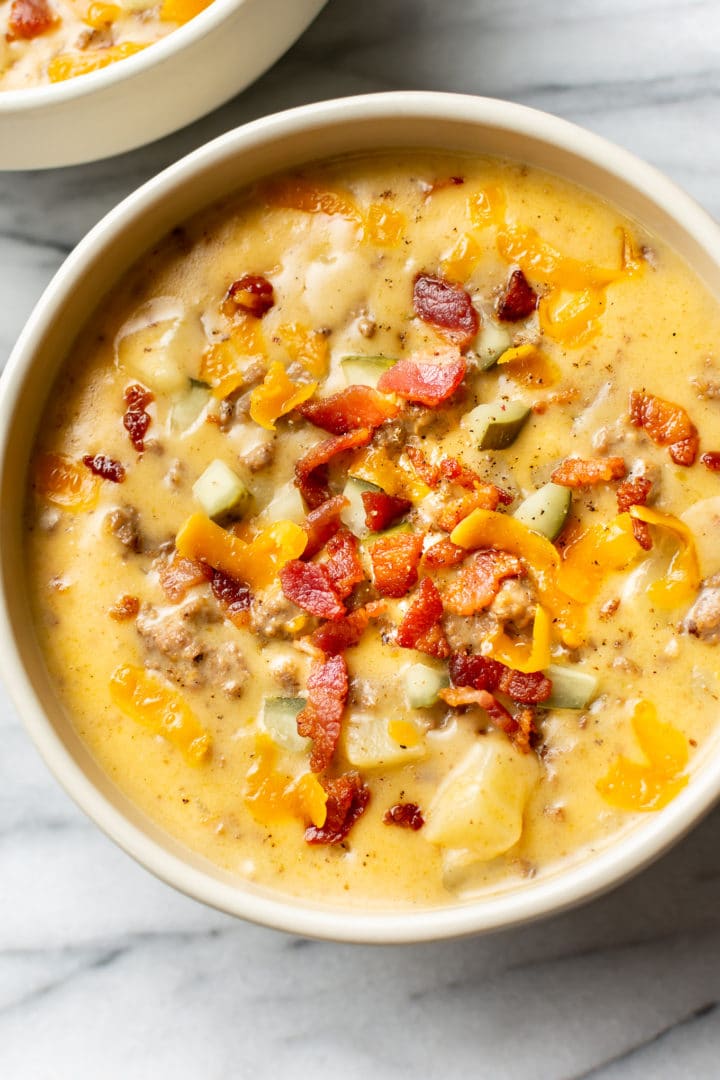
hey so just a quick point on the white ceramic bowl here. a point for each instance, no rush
(278, 142)
(185, 75)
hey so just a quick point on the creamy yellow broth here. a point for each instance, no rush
(343, 285)
(47, 41)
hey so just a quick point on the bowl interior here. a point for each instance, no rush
(443, 122)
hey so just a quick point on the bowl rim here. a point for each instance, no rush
(50, 95)
(566, 887)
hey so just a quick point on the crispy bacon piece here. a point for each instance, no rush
(667, 424)
(478, 582)
(335, 637)
(526, 732)
(125, 608)
(576, 472)
(484, 673)
(519, 301)
(486, 497)
(465, 695)
(353, 408)
(428, 473)
(136, 420)
(233, 596)
(479, 494)
(711, 460)
(434, 643)
(29, 18)
(420, 628)
(178, 575)
(320, 720)
(407, 815)
(252, 294)
(310, 586)
(395, 560)
(447, 307)
(634, 492)
(444, 553)
(311, 470)
(347, 800)
(428, 381)
(455, 472)
(381, 510)
(106, 467)
(322, 523)
(529, 688)
(343, 566)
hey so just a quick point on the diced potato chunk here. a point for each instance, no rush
(161, 348)
(368, 744)
(703, 518)
(479, 806)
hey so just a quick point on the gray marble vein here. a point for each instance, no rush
(105, 972)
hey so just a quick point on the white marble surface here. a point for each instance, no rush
(104, 972)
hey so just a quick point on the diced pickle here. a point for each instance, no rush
(422, 683)
(496, 427)
(219, 490)
(279, 719)
(546, 510)
(571, 688)
(365, 370)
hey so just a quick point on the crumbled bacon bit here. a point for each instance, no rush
(381, 510)
(667, 424)
(445, 553)
(447, 307)
(478, 582)
(322, 523)
(434, 642)
(106, 467)
(136, 420)
(178, 574)
(519, 301)
(233, 596)
(634, 492)
(501, 718)
(526, 732)
(485, 497)
(394, 561)
(252, 294)
(429, 381)
(311, 474)
(406, 815)
(576, 472)
(310, 586)
(320, 720)
(343, 566)
(126, 607)
(335, 637)
(484, 673)
(350, 409)
(711, 460)
(420, 628)
(455, 472)
(428, 473)
(29, 18)
(347, 800)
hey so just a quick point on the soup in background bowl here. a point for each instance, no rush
(83, 81)
(369, 528)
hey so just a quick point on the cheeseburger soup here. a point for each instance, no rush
(47, 41)
(372, 529)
